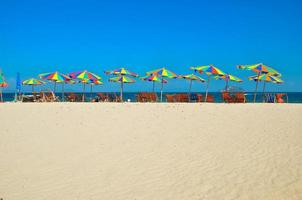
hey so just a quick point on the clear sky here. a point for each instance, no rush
(69, 35)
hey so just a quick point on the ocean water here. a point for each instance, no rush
(293, 97)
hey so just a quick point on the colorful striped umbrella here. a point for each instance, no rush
(92, 83)
(3, 84)
(33, 82)
(266, 78)
(82, 76)
(209, 70)
(191, 78)
(259, 69)
(56, 77)
(162, 72)
(154, 78)
(121, 71)
(227, 78)
(122, 79)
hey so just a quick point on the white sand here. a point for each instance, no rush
(150, 151)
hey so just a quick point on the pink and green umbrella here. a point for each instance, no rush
(83, 76)
(227, 78)
(191, 78)
(209, 70)
(162, 73)
(122, 79)
(259, 69)
(153, 78)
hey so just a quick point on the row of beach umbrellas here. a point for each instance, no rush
(124, 76)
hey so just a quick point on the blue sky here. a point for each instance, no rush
(69, 35)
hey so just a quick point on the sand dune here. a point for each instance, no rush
(150, 151)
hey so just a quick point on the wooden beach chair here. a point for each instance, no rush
(227, 98)
(199, 98)
(170, 98)
(210, 99)
(279, 98)
(240, 97)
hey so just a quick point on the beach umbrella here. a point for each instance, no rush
(3, 84)
(163, 73)
(266, 78)
(153, 78)
(82, 76)
(191, 78)
(227, 78)
(56, 77)
(70, 81)
(92, 83)
(122, 79)
(33, 82)
(121, 71)
(209, 70)
(259, 69)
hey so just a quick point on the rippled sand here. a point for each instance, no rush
(150, 151)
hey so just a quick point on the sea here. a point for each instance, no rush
(293, 97)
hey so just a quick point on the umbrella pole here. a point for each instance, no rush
(226, 84)
(190, 90)
(264, 82)
(63, 97)
(207, 89)
(255, 94)
(122, 85)
(161, 90)
(54, 89)
(1, 96)
(91, 91)
(83, 97)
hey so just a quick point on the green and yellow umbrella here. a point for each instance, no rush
(83, 76)
(33, 82)
(227, 78)
(153, 78)
(122, 79)
(266, 78)
(259, 69)
(191, 78)
(209, 70)
(162, 73)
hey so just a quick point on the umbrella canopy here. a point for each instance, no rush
(259, 69)
(227, 78)
(122, 79)
(266, 78)
(82, 76)
(153, 78)
(56, 77)
(162, 72)
(121, 71)
(33, 82)
(209, 70)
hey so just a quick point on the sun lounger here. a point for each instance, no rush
(199, 98)
(170, 98)
(269, 98)
(210, 99)
(227, 98)
(280, 98)
(240, 97)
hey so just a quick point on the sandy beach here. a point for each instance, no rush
(150, 151)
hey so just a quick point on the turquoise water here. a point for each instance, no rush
(293, 97)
